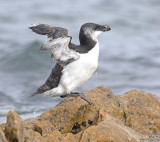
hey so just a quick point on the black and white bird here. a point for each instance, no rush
(75, 63)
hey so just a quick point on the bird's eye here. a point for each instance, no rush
(95, 28)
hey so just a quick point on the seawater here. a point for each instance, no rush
(129, 53)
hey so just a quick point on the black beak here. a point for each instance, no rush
(106, 28)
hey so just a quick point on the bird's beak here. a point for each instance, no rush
(106, 28)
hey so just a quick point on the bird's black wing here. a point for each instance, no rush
(53, 79)
(51, 31)
(58, 43)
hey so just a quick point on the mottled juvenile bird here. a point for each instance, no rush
(75, 63)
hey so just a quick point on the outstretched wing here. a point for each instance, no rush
(51, 31)
(58, 43)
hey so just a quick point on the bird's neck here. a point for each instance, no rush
(87, 41)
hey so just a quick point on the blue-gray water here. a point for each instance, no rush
(129, 53)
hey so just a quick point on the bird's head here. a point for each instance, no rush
(93, 30)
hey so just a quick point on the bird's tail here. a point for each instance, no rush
(34, 94)
(41, 90)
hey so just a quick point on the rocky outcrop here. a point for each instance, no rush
(2, 136)
(109, 119)
(14, 127)
(141, 111)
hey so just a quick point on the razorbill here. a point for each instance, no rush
(75, 64)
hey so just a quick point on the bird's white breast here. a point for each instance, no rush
(77, 72)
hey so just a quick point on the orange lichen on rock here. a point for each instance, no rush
(110, 118)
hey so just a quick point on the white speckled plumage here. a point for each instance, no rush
(60, 49)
